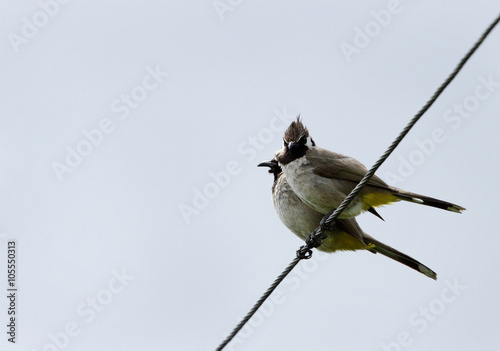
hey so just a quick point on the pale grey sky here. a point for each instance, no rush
(129, 139)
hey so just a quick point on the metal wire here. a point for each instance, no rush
(259, 303)
(316, 238)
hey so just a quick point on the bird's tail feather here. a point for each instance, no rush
(428, 201)
(396, 255)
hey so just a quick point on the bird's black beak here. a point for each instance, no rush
(269, 164)
(274, 167)
(292, 145)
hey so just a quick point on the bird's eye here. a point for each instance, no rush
(303, 140)
(285, 144)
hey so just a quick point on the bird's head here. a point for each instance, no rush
(296, 143)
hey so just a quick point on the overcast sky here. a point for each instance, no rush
(129, 138)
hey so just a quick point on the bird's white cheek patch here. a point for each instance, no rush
(309, 143)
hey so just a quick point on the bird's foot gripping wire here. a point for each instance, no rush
(315, 239)
(304, 253)
(323, 224)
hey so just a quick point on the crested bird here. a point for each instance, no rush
(322, 178)
(302, 220)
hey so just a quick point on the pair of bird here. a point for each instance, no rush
(310, 182)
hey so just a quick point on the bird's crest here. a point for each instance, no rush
(295, 131)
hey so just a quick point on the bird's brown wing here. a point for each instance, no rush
(330, 164)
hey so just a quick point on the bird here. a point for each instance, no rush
(346, 235)
(322, 178)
